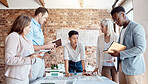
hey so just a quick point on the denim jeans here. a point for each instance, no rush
(75, 66)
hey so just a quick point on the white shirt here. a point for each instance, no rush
(107, 57)
(75, 55)
(122, 35)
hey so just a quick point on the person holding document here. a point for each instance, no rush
(18, 48)
(104, 62)
(131, 60)
(37, 37)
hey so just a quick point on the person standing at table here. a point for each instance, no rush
(131, 60)
(37, 37)
(17, 50)
(104, 62)
(74, 55)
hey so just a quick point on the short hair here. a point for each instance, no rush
(117, 9)
(41, 10)
(109, 24)
(72, 32)
(20, 23)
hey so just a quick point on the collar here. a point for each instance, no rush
(35, 22)
(127, 25)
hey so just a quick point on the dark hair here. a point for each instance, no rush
(117, 9)
(20, 23)
(41, 10)
(72, 32)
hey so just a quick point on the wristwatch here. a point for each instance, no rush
(84, 70)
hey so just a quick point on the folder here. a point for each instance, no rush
(115, 46)
(46, 51)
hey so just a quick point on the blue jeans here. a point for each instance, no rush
(77, 66)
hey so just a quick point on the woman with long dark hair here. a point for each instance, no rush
(17, 51)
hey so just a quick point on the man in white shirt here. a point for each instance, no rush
(74, 55)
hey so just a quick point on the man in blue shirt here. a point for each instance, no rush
(131, 60)
(37, 37)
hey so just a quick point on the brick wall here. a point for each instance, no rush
(84, 19)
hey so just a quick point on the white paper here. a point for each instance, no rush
(40, 51)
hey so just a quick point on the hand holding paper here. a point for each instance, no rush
(114, 49)
(115, 54)
(49, 45)
(38, 53)
(35, 55)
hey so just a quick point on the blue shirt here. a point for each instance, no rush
(37, 37)
(35, 34)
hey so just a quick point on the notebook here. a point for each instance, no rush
(115, 46)
(57, 42)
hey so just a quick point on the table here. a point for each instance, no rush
(75, 79)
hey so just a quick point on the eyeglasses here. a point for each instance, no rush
(117, 20)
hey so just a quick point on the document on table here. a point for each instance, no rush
(74, 80)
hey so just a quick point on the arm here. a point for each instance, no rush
(82, 56)
(82, 52)
(67, 74)
(40, 47)
(11, 47)
(66, 67)
(84, 70)
(48, 45)
(83, 65)
(139, 43)
(97, 57)
(97, 54)
(66, 58)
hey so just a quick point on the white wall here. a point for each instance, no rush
(141, 16)
(59, 4)
(86, 37)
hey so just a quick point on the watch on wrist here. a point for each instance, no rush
(84, 70)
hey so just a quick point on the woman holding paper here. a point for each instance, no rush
(104, 62)
(17, 51)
